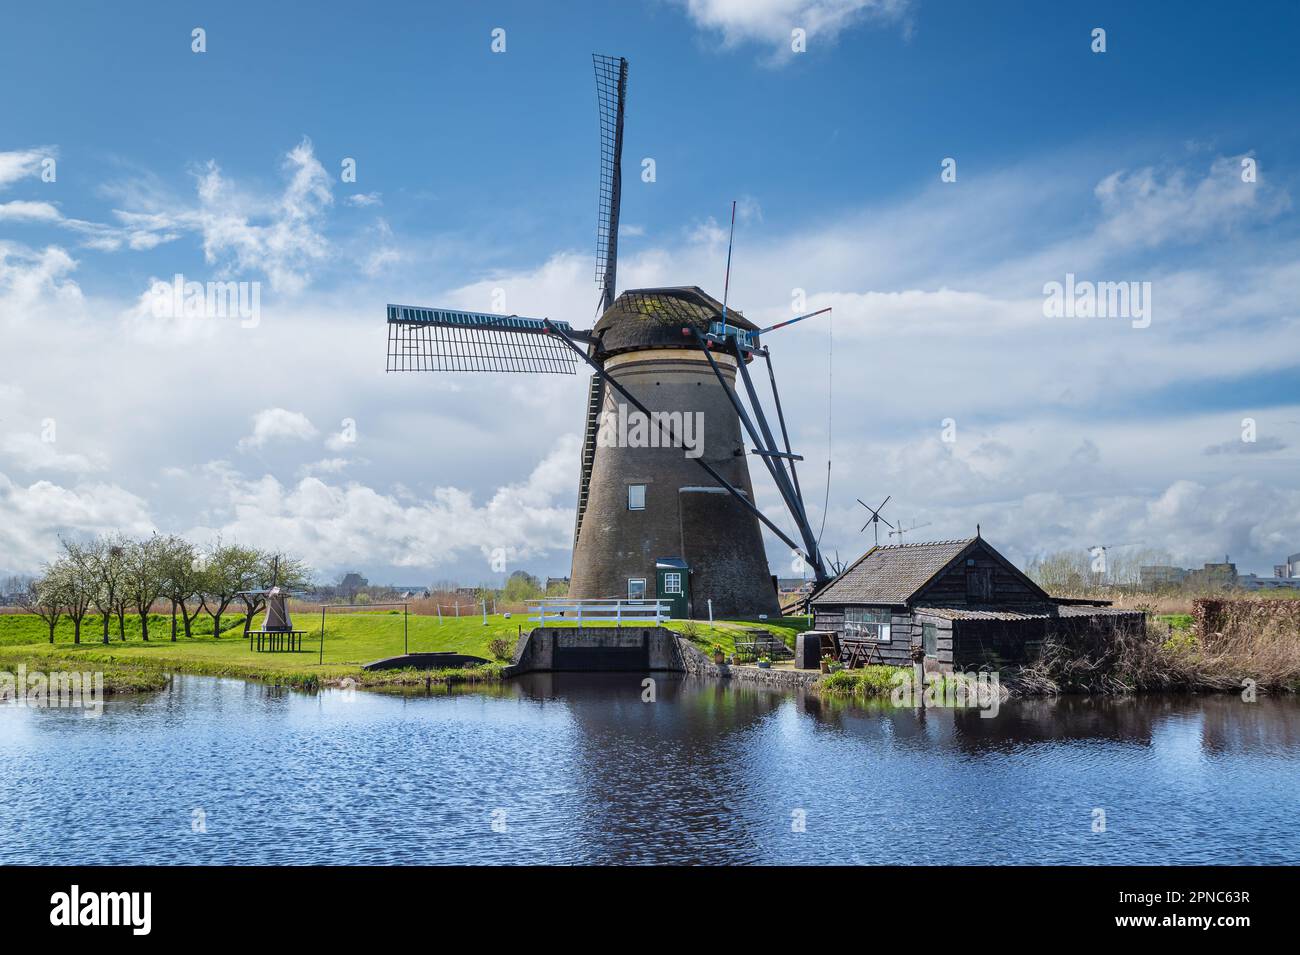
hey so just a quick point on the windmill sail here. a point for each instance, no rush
(611, 95)
(450, 339)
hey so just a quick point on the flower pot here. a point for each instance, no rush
(826, 666)
(764, 665)
(719, 658)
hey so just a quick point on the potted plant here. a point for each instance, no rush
(826, 663)
(719, 655)
(764, 662)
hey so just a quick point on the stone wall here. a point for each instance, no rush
(699, 664)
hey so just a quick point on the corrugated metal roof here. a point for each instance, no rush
(891, 574)
(966, 613)
(1043, 612)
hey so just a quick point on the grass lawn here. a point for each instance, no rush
(351, 639)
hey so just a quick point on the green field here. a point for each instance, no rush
(351, 639)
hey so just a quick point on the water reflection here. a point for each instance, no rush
(579, 768)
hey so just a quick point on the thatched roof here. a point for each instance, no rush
(655, 317)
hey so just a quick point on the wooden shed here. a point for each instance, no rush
(960, 600)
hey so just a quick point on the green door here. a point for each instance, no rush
(672, 583)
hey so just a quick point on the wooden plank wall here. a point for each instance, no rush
(950, 588)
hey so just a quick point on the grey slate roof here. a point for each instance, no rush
(891, 574)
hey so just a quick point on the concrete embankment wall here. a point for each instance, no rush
(630, 649)
(637, 649)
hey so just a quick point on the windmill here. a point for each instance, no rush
(652, 520)
(875, 520)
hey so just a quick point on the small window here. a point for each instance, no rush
(636, 588)
(636, 497)
(672, 583)
(930, 637)
(867, 624)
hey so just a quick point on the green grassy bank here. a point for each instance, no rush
(351, 639)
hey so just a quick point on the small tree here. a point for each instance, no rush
(230, 569)
(182, 580)
(81, 584)
(103, 564)
(145, 576)
(45, 597)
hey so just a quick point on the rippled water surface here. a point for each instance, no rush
(577, 769)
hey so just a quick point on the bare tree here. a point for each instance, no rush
(229, 570)
(45, 597)
(144, 577)
(182, 580)
(81, 584)
(105, 557)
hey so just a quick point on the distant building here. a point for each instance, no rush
(1214, 576)
(1290, 569)
(1161, 576)
(1252, 582)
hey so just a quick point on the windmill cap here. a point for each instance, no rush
(655, 317)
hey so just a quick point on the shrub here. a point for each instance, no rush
(502, 649)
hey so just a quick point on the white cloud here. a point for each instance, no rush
(339, 525)
(363, 199)
(28, 452)
(1149, 206)
(33, 517)
(33, 283)
(770, 22)
(326, 466)
(22, 163)
(273, 424)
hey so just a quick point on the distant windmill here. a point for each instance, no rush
(651, 521)
(900, 530)
(875, 520)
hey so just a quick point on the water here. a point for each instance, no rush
(579, 770)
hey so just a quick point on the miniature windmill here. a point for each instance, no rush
(275, 599)
(668, 353)
(875, 520)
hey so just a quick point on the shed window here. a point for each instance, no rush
(672, 583)
(930, 638)
(636, 497)
(868, 624)
(636, 588)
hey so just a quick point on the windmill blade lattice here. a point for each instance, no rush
(611, 95)
(447, 339)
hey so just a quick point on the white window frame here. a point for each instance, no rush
(867, 624)
(636, 580)
(673, 582)
(631, 505)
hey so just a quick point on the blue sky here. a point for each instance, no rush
(477, 171)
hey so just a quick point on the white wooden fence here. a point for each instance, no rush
(618, 612)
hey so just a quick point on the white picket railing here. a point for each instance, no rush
(616, 611)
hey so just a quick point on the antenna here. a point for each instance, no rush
(875, 519)
(611, 97)
(900, 530)
(726, 281)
